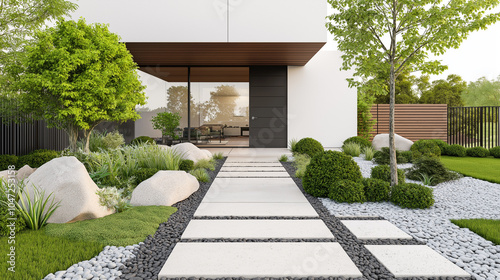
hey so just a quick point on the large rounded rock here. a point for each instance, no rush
(69, 182)
(382, 140)
(191, 152)
(25, 172)
(165, 188)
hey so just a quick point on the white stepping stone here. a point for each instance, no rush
(252, 159)
(256, 210)
(283, 174)
(252, 164)
(233, 190)
(249, 260)
(415, 261)
(253, 169)
(254, 229)
(381, 229)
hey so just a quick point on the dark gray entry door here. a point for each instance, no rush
(268, 107)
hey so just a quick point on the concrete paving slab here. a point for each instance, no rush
(253, 169)
(256, 190)
(215, 260)
(259, 174)
(381, 229)
(252, 164)
(256, 210)
(415, 261)
(252, 159)
(233, 229)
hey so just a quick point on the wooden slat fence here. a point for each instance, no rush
(413, 121)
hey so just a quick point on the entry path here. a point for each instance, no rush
(255, 222)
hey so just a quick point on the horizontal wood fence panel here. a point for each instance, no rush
(412, 121)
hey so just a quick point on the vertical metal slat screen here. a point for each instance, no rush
(474, 126)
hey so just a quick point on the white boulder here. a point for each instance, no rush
(191, 152)
(25, 172)
(69, 182)
(165, 188)
(382, 140)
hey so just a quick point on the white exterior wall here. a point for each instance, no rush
(320, 103)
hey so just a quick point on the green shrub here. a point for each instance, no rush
(36, 209)
(412, 196)
(218, 156)
(186, 165)
(376, 189)
(383, 172)
(143, 140)
(114, 199)
(383, 156)
(431, 167)
(441, 144)
(201, 175)
(300, 161)
(478, 152)
(142, 174)
(362, 142)
(495, 152)
(309, 147)
(325, 169)
(407, 155)
(37, 159)
(5, 214)
(292, 144)
(347, 191)
(103, 140)
(283, 158)
(456, 151)
(6, 160)
(352, 149)
(369, 153)
(425, 148)
(204, 163)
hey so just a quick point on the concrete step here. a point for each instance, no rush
(254, 174)
(253, 169)
(303, 209)
(252, 164)
(381, 229)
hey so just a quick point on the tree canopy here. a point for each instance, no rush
(77, 75)
(483, 92)
(447, 91)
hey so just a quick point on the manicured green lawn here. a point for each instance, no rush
(487, 169)
(58, 246)
(488, 229)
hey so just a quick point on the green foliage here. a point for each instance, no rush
(404, 93)
(425, 148)
(5, 228)
(352, 149)
(376, 190)
(142, 174)
(447, 91)
(38, 159)
(218, 156)
(480, 168)
(7, 160)
(292, 145)
(383, 172)
(483, 92)
(441, 144)
(362, 142)
(369, 153)
(325, 169)
(205, 164)
(488, 229)
(347, 191)
(383, 156)
(114, 199)
(426, 179)
(412, 196)
(477, 152)
(431, 167)
(104, 140)
(201, 175)
(143, 139)
(8, 207)
(309, 147)
(186, 165)
(283, 158)
(166, 122)
(365, 122)
(495, 152)
(35, 209)
(76, 76)
(456, 150)
(300, 162)
(407, 155)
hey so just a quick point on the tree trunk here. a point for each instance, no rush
(392, 144)
(86, 135)
(73, 138)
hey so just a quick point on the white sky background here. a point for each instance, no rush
(478, 56)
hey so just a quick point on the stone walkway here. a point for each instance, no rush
(255, 222)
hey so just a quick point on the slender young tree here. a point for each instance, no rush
(392, 35)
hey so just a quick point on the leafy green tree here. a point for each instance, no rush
(447, 91)
(365, 103)
(166, 122)
(482, 92)
(404, 90)
(397, 35)
(76, 76)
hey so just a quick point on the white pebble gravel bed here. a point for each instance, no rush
(466, 198)
(103, 266)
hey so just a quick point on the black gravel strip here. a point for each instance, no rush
(361, 218)
(256, 240)
(391, 242)
(254, 218)
(369, 266)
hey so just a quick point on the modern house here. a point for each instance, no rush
(256, 70)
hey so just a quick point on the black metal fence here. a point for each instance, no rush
(474, 126)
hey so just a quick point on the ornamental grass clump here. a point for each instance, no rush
(362, 142)
(283, 158)
(218, 156)
(309, 147)
(412, 196)
(201, 175)
(143, 140)
(368, 153)
(347, 191)
(352, 149)
(35, 209)
(205, 164)
(292, 145)
(300, 162)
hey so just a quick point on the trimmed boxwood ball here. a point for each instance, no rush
(358, 140)
(37, 159)
(6, 160)
(441, 144)
(383, 172)
(376, 189)
(143, 139)
(456, 150)
(427, 148)
(186, 165)
(407, 155)
(347, 191)
(325, 169)
(142, 174)
(432, 167)
(309, 147)
(495, 152)
(478, 152)
(412, 196)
